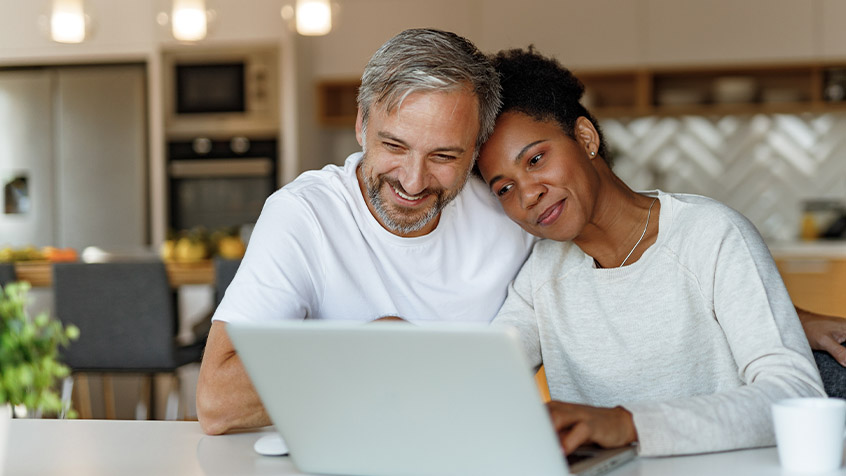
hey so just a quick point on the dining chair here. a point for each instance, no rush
(224, 271)
(7, 273)
(127, 319)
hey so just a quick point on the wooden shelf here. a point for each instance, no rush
(336, 102)
(779, 88)
(704, 90)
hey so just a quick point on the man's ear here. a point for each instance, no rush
(358, 123)
(587, 135)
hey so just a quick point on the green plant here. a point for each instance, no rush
(29, 353)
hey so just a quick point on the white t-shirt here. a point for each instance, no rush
(317, 252)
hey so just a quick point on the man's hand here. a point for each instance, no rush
(825, 333)
(580, 424)
(389, 318)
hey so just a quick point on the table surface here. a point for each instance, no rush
(40, 274)
(94, 447)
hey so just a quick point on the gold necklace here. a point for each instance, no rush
(648, 214)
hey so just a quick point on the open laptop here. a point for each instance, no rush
(396, 399)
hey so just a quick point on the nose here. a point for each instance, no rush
(413, 179)
(531, 194)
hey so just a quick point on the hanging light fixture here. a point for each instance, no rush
(189, 20)
(313, 17)
(67, 21)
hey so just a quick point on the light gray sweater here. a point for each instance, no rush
(696, 339)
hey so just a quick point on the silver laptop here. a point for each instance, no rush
(396, 399)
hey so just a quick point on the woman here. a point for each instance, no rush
(661, 318)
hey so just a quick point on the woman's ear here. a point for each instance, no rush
(587, 136)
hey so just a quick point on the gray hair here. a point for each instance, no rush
(430, 60)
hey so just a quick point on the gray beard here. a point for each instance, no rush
(373, 187)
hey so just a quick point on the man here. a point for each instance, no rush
(388, 234)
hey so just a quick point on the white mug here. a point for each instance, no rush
(809, 433)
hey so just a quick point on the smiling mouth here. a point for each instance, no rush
(405, 196)
(551, 214)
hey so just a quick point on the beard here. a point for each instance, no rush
(399, 219)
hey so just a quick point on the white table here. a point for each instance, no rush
(99, 447)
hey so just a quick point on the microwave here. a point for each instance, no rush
(221, 92)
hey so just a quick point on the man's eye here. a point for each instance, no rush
(535, 159)
(445, 157)
(391, 146)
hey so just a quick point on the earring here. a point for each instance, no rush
(592, 153)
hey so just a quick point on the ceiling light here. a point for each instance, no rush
(189, 20)
(314, 17)
(67, 21)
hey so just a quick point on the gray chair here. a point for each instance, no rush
(127, 320)
(224, 271)
(7, 273)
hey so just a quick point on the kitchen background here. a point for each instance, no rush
(93, 153)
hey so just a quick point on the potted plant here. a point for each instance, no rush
(29, 354)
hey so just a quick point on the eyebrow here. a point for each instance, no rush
(454, 149)
(517, 158)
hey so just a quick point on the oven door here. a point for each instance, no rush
(218, 193)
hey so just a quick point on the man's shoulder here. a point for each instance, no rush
(318, 188)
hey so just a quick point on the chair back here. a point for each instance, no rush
(224, 271)
(7, 273)
(125, 314)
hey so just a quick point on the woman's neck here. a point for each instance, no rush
(623, 225)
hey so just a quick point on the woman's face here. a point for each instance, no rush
(544, 179)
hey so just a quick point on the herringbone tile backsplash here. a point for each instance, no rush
(765, 166)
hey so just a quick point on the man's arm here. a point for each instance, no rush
(226, 398)
(825, 333)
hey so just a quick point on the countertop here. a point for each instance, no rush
(832, 249)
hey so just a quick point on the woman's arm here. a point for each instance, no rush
(766, 341)
(825, 333)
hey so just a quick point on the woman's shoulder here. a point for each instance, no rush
(703, 222)
(698, 210)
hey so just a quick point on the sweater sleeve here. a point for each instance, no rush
(518, 313)
(767, 342)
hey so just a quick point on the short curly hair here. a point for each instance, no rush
(543, 89)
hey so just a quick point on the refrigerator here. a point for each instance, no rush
(73, 157)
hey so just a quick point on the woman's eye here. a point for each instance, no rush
(503, 190)
(535, 159)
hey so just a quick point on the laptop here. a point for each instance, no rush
(400, 400)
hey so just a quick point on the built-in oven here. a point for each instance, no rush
(219, 184)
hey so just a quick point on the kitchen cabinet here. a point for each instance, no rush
(815, 282)
(728, 31)
(832, 34)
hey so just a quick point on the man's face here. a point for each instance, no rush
(417, 158)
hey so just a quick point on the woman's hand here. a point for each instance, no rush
(580, 424)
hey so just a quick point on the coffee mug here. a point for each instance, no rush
(810, 433)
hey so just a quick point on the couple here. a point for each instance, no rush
(674, 325)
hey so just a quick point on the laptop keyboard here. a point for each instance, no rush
(575, 457)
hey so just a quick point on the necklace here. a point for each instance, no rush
(648, 214)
